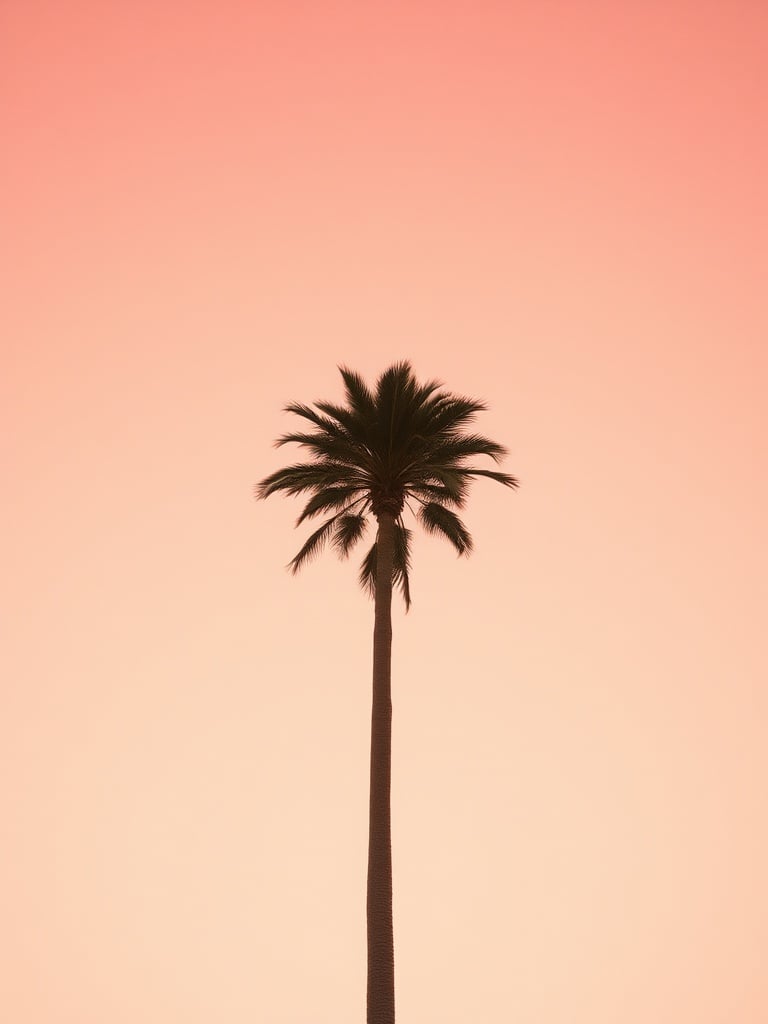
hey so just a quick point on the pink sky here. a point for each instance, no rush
(559, 207)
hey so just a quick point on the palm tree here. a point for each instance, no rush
(401, 445)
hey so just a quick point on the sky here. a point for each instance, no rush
(557, 207)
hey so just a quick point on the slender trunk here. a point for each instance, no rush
(381, 957)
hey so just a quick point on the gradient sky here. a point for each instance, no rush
(559, 207)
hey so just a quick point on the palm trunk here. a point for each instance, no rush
(381, 957)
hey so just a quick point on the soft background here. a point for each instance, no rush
(559, 207)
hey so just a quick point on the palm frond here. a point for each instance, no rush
(328, 497)
(367, 577)
(426, 390)
(349, 529)
(401, 565)
(395, 390)
(503, 478)
(325, 424)
(358, 394)
(396, 378)
(305, 476)
(439, 519)
(440, 493)
(335, 449)
(464, 446)
(450, 479)
(345, 417)
(313, 545)
(452, 411)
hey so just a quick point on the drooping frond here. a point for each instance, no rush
(367, 577)
(313, 545)
(439, 519)
(401, 565)
(402, 561)
(349, 529)
(329, 497)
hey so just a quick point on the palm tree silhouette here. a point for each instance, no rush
(401, 445)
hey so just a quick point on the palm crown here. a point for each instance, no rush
(401, 445)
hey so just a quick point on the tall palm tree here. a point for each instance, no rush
(401, 445)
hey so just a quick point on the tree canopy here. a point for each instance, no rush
(399, 446)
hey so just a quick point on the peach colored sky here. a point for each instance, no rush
(557, 206)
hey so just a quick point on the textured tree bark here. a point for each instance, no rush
(381, 957)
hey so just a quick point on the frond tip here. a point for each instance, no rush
(313, 545)
(439, 519)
